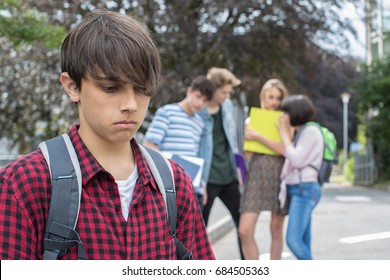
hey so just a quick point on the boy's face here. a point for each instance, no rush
(222, 93)
(196, 101)
(109, 112)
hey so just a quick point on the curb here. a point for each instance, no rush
(219, 229)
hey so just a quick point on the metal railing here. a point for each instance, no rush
(365, 170)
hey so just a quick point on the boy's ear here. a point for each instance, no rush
(188, 91)
(70, 87)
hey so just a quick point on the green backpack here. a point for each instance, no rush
(330, 152)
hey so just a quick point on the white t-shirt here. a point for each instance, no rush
(126, 188)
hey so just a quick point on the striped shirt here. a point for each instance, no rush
(174, 131)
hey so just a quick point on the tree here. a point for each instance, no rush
(257, 40)
(333, 76)
(29, 47)
(374, 106)
(20, 25)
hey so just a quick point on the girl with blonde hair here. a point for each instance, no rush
(263, 181)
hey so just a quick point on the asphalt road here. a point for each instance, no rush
(350, 223)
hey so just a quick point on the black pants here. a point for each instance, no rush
(229, 194)
(199, 198)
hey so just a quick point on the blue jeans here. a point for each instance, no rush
(303, 199)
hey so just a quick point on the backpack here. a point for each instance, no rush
(60, 233)
(329, 157)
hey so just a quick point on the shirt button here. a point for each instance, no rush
(117, 208)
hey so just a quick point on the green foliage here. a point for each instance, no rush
(256, 40)
(361, 135)
(374, 104)
(349, 173)
(21, 25)
(29, 62)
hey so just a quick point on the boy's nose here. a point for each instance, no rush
(129, 101)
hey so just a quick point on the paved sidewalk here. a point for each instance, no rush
(220, 221)
(226, 248)
(223, 237)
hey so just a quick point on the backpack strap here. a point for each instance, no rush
(163, 175)
(60, 233)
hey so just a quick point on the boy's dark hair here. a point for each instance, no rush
(299, 108)
(204, 85)
(112, 46)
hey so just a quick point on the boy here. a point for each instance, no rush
(177, 128)
(110, 69)
(220, 145)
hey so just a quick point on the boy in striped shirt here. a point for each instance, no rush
(177, 128)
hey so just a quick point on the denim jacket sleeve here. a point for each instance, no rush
(229, 126)
(206, 143)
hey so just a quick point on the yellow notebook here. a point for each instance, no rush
(265, 122)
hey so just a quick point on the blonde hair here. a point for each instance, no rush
(221, 77)
(273, 83)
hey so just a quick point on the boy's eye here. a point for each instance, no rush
(110, 88)
(141, 91)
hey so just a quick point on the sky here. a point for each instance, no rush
(356, 16)
(357, 47)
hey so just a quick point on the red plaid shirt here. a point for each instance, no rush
(25, 190)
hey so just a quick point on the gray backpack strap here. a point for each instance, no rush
(154, 159)
(163, 175)
(60, 234)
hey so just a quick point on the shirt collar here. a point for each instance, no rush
(90, 166)
(144, 174)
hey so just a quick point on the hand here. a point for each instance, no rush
(285, 129)
(204, 199)
(249, 133)
(284, 126)
(204, 194)
(248, 155)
